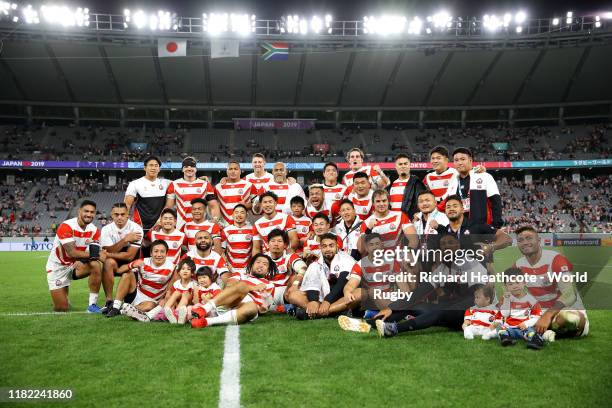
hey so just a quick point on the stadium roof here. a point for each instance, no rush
(80, 68)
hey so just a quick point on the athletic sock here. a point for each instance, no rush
(153, 312)
(93, 298)
(230, 317)
(210, 306)
(117, 304)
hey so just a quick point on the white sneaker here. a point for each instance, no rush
(549, 336)
(170, 315)
(352, 324)
(182, 314)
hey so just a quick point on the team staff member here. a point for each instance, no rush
(405, 190)
(147, 195)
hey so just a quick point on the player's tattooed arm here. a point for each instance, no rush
(73, 252)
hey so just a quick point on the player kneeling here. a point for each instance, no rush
(142, 300)
(244, 297)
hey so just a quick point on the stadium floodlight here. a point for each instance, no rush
(519, 29)
(293, 24)
(15, 19)
(5, 7)
(303, 26)
(520, 17)
(442, 19)
(384, 25)
(328, 23)
(415, 26)
(30, 15)
(608, 15)
(218, 23)
(428, 30)
(507, 19)
(140, 19)
(316, 24)
(492, 22)
(240, 24)
(569, 17)
(164, 20)
(555, 21)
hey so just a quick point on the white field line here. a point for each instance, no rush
(229, 393)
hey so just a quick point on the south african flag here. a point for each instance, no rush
(276, 51)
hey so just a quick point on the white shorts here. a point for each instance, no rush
(474, 330)
(279, 296)
(315, 279)
(58, 275)
(141, 298)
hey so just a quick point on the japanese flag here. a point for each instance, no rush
(171, 47)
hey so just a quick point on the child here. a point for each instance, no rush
(206, 288)
(519, 311)
(302, 222)
(181, 294)
(479, 319)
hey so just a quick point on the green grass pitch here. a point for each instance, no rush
(285, 363)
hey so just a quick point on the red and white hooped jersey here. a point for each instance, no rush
(285, 265)
(389, 227)
(545, 290)
(311, 211)
(230, 194)
(314, 246)
(482, 316)
(442, 185)
(212, 291)
(183, 192)
(515, 311)
(285, 192)
(258, 181)
(238, 245)
(264, 226)
(302, 227)
(179, 287)
(191, 229)
(377, 276)
(347, 180)
(174, 240)
(259, 296)
(363, 205)
(214, 261)
(71, 231)
(333, 194)
(154, 279)
(396, 194)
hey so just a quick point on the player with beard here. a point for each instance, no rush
(120, 241)
(320, 227)
(273, 220)
(376, 177)
(406, 188)
(74, 256)
(290, 267)
(244, 297)
(203, 255)
(282, 188)
(316, 201)
(182, 191)
(348, 229)
(393, 226)
(200, 223)
(330, 285)
(564, 312)
(333, 190)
